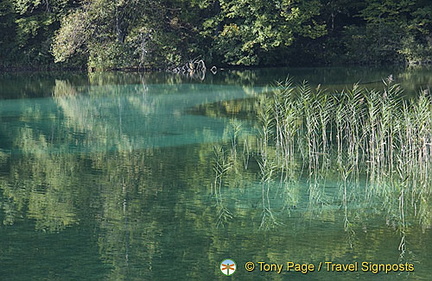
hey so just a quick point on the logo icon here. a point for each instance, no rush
(228, 267)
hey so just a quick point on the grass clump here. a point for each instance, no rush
(376, 138)
(361, 151)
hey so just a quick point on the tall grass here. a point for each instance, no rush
(359, 126)
(375, 144)
(370, 136)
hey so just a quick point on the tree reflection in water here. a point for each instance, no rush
(154, 185)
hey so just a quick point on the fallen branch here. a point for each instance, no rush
(190, 67)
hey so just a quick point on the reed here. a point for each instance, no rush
(371, 136)
(375, 144)
(360, 126)
(220, 167)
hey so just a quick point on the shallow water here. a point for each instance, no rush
(111, 177)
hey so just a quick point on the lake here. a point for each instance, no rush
(157, 176)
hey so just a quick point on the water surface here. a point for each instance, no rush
(112, 177)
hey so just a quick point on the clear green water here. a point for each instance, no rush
(110, 177)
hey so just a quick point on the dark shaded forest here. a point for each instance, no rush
(162, 34)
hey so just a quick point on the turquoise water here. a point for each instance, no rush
(112, 177)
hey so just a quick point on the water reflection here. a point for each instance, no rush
(29, 85)
(154, 178)
(358, 177)
(92, 158)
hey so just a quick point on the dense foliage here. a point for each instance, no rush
(103, 34)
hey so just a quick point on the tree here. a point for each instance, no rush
(103, 34)
(127, 33)
(395, 31)
(27, 27)
(7, 30)
(249, 32)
